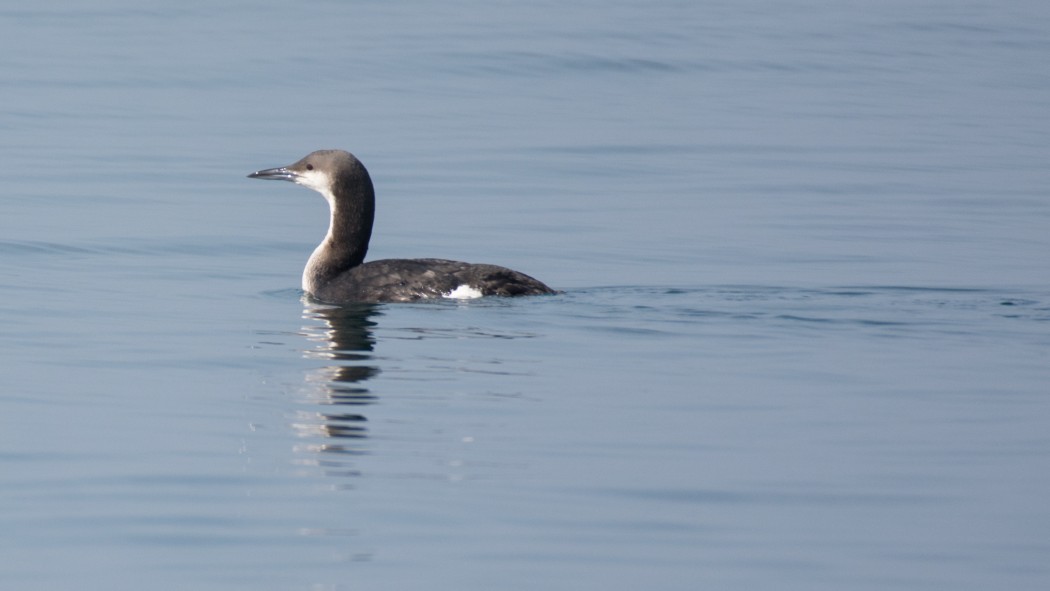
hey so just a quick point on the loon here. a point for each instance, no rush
(336, 272)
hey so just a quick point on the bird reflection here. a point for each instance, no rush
(342, 338)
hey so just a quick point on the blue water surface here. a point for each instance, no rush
(803, 339)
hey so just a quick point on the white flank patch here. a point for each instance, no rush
(464, 292)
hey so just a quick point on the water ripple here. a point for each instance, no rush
(912, 311)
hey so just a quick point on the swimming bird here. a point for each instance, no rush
(336, 272)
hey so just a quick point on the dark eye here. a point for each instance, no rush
(309, 167)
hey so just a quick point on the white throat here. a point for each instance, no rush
(318, 181)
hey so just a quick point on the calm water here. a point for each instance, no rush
(804, 339)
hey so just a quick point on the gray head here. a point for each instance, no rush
(345, 184)
(329, 172)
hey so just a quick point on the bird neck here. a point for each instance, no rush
(349, 230)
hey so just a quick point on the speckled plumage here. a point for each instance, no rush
(402, 280)
(336, 272)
